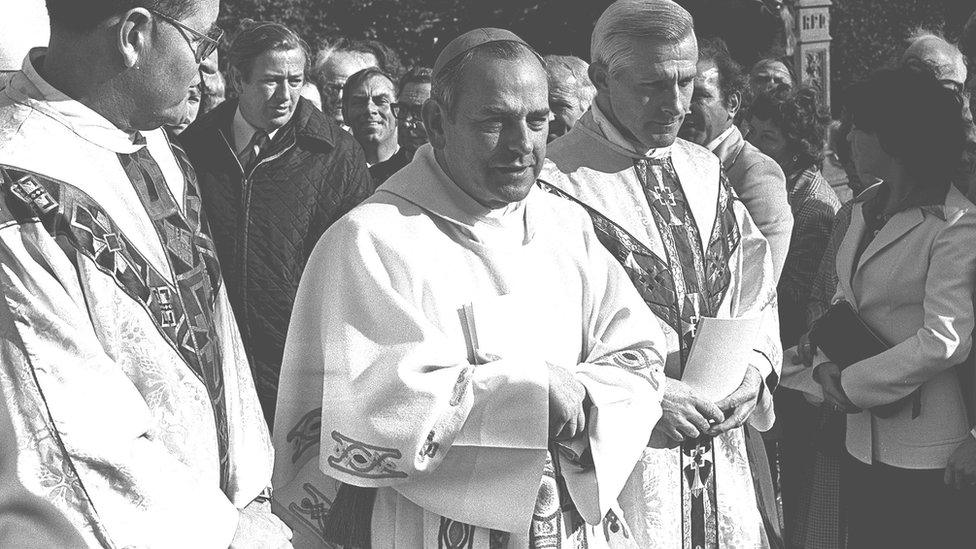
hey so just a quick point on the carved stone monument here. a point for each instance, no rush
(812, 55)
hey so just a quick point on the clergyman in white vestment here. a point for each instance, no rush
(466, 365)
(665, 210)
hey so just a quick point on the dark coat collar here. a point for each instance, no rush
(306, 123)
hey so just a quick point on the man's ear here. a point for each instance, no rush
(134, 30)
(733, 103)
(435, 116)
(600, 76)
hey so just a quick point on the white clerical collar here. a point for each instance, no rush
(425, 183)
(714, 143)
(614, 136)
(243, 131)
(80, 119)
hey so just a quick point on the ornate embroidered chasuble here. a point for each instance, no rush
(182, 304)
(682, 288)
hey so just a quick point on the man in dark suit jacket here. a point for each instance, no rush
(756, 178)
(274, 174)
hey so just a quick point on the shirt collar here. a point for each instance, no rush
(40, 95)
(613, 135)
(714, 143)
(927, 199)
(243, 131)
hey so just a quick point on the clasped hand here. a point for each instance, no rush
(687, 416)
(567, 412)
(567, 401)
(828, 376)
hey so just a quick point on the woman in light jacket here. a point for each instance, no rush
(907, 264)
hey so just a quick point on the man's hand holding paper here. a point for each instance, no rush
(740, 404)
(685, 413)
(719, 387)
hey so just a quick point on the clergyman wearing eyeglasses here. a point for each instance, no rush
(132, 410)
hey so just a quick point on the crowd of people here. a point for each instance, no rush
(498, 299)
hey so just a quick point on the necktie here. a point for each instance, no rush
(252, 152)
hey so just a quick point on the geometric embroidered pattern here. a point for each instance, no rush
(547, 519)
(313, 509)
(364, 460)
(454, 535)
(701, 279)
(644, 363)
(680, 289)
(613, 527)
(649, 273)
(186, 309)
(182, 312)
(305, 434)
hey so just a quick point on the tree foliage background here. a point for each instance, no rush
(419, 28)
(867, 33)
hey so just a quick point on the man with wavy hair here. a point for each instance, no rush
(275, 172)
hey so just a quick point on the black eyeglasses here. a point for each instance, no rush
(403, 111)
(208, 42)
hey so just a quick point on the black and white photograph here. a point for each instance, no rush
(488, 274)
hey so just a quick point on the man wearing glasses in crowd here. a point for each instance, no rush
(412, 92)
(121, 365)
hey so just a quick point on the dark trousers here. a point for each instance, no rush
(896, 508)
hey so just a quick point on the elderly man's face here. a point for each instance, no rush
(169, 70)
(650, 96)
(192, 110)
(767, 76)
(710, 114)
(335, 71)
(494, 146)
(945, 59)
(410, 123)
(566, 104)
(369, 110)
(269, 95)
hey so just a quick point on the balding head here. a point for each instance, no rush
(943, 58)
(570, 92)
(448, 80)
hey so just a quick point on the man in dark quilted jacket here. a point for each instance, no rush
(274, 173)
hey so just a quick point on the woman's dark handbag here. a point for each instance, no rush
(845, 338)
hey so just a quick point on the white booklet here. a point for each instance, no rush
(720, 355)
(502, 326)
